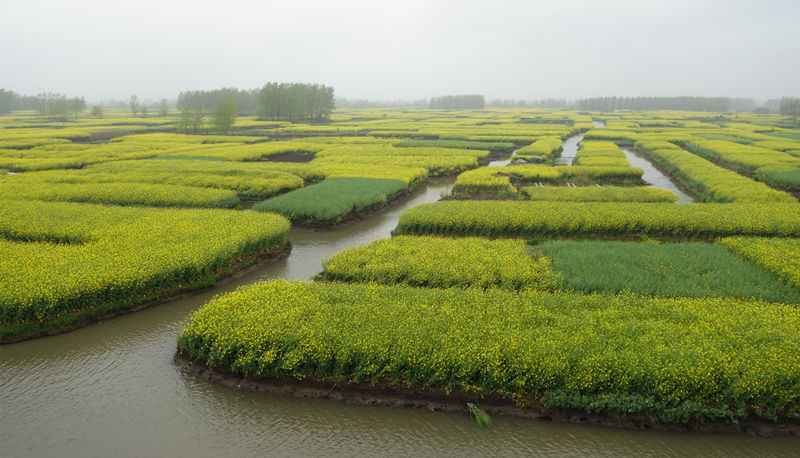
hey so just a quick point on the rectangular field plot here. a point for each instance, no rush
(332, 200)
(441, 263)
(666, 270)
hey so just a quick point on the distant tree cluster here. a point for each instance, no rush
(789, 106)
(719, 104)
(295, 102)
(274, 101)
(246, 101)
(192, 120)
(46, 104)
(458, 102)
(543, 103)
(51, 104)
(342, 102)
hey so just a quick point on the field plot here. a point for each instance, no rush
(664, 270)
(593, 219)
(430, 262)
(670, 358)
(332, 200)
(63, 263)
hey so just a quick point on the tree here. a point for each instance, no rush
(198, 120)
(8, 100)
(191, 121)
(76, 106)
(224, 116)
(459, 102)
(790, 106)
(182, 126)
(295, 102)
(134, 104)
(145, 111)
(163, 108)
(97, 111)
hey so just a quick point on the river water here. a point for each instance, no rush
(111, 389)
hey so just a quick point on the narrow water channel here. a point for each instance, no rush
(111, 389)
(568, 150)
(655, 178)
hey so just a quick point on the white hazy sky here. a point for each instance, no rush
(403, 49)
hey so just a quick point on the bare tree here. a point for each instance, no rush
(163, 108)
(97, 111)
(134, 104)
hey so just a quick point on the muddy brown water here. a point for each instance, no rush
(112, 389)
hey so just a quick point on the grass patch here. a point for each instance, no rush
(666, 270)
(332, 200)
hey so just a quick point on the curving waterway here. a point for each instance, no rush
(111, 389)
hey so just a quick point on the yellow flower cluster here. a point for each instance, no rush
(58, 257)
(602, 194)
(543, 218)
(429, 261)
(778, 255)
(712, 182)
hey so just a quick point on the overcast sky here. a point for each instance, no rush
(403, 49)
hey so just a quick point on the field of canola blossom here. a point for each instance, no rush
(62, 261)
(530, 321)
(672, 358)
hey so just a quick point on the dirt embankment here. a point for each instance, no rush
(455, 402)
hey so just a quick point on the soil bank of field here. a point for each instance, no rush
(455, 402)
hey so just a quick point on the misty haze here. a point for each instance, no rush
(399, 228)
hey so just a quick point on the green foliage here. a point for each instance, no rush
(295, 101)
(780, 176)
(332, 200)
(481, 417)
(224, 116)
(668, 270)
(678, 359)
(442, 263)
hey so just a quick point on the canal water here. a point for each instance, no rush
(655, 178)
(111, 389)
(568, 150)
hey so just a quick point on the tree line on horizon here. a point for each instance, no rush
(46, 104)
(458, 102)
(273, 101)
(312, 102)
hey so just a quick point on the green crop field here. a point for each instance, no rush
(332, 200)
(664, 270)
